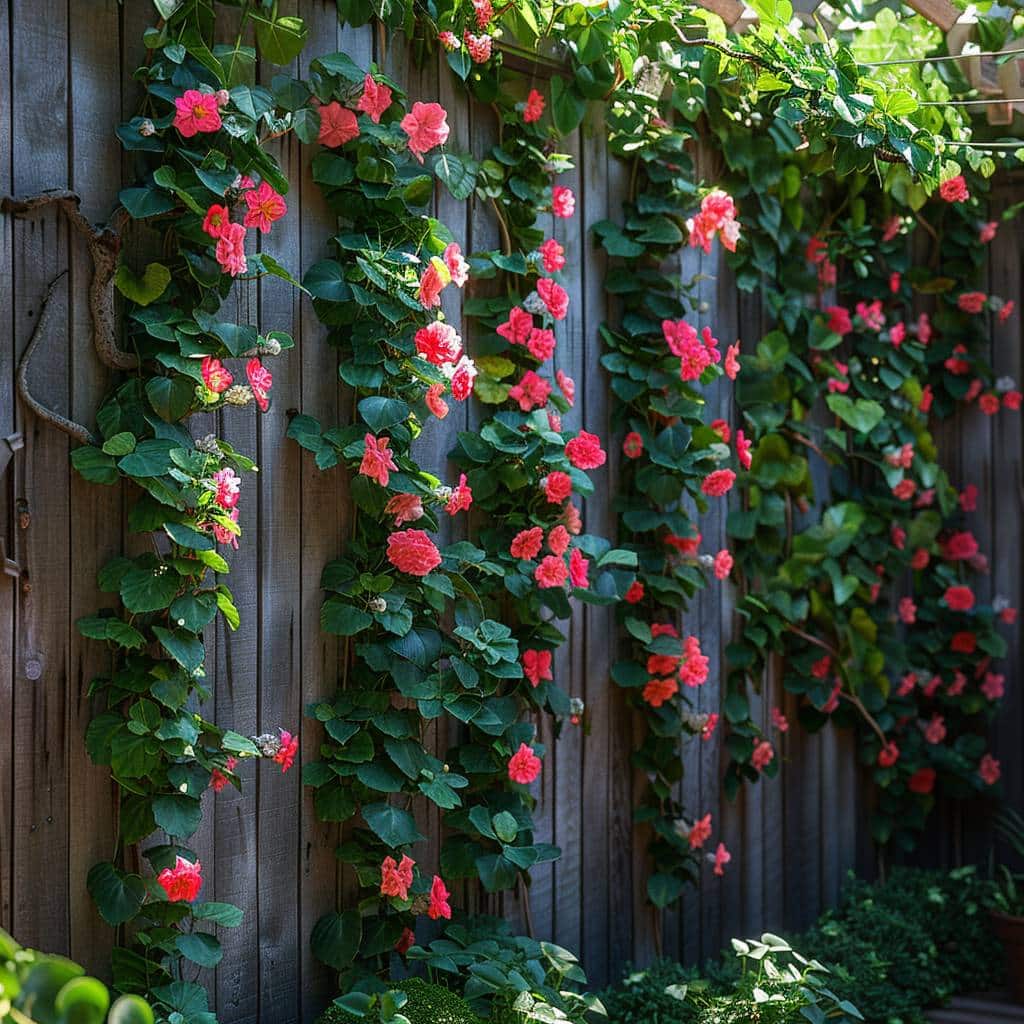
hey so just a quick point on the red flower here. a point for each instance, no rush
(456, 264)
(694, 671)
(963, 642)
(432, 283)
(479, 47)
(195, 112)
(558, 540)
(926, 399)
(709, 726)
(552, 256)
(700, 833)
(743, 447)
(439, 906)
(377, 460)
(427, 126)
(563, 202)
(993, 688)
(907, 611)
(413, 552)
(531, 392)
(375, 100)
(230, 250)
(972, 302)
(516, 329)
(954, 190)
(526, 544)
(1007, 311)
(395, 878)
(839, 321)
(905, 489)
(260, 382)
(779, 720)
(524, 765)
(461, 498)
(435, 403)
(216, 218)
(406, 508)
(961, 545)
(463, 375)
(989, 404)
(635, 593)
(541, 344)
(960, 599)
(888, 755)
(338, 125)
(821, 667)
(723, 565)
(718, 482)
(584, 451)
(633, 445)
(216, 376)
(265, 206)
(922, 781)
(287, 748)
(218, 780)
(657, 691)
(534, 107)
(762, 756)
(568, 388)
(732, 362)
(969, 498)
(557, 486)
(722, 857)
(536, 666)
(686, 546)
(987, 231)
(182, 882)
(552, 572)
(989, 770)
(554, 297)
(920, 559)
(579, 567)
(935, 731)
(1012, 400)
(405, 941)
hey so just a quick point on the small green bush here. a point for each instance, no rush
(428, 1004)
(651, 995)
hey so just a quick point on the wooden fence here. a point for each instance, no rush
(793, 839)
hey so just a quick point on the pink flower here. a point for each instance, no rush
(635, 593)
(439, 905)
(898, 333)
(932, 686)
(907, 611)
(872, 315)
(1007, 311)
(969, 498)
(963, 642)
(461, 498)
(960, 546)
(891, 228)
(534, 107)
(732, 363)
(584, 451)
(536, 666)
(449, 40)
(922, 781)
(959, 599)
(987, 231)
(633, 445)
(839, 321)
(821, 667)
(833, 698)
(989, 404)
(894, 282)
(709, 726)
(218, 780)
(921, 559)
(563, 201)
(551, 572)
(541, 344)
(196, 112)
(1012, 399)
(431, 285)
(954, 190)
(463, 375)
(395, 878)
(260, 381)
(723, 565)
(779, 720)
(926, 399)
(435, 403)
(524, 765)
(722, 429)
(898, 536)
(438, 343)
(405, 941)
(338, 125)
(216, 376)
(516, 329)
(554, 297)
(743, 447)
(679, 336)
(762, 756)
(287, 748)
(230, 251)
(579, 567)
(531, 392)
(479, 47)
(413, 552)
(993, 686)
(567, 386)
(907, 684)
(483, 11)
(989, 770)
(557, 486)
(972, 302)
(215, 219)
(182, 882)
(905, 489)
(1008, 616)
(935, 730)
(686, 546)
(226, 489)
(406, 508)
(265, 206)
(552, 256)
(526, 544)
(718, 482)
(888, 755)
(558, 540)
(427, 126)
(717, 215)
(700, 833)
(456, 264)
(722, 857)
(694, 670)
(377, 460)
(375, 100)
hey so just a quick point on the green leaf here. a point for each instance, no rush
(567, 106)
(336, 937)
(379, 412)
(185, 648)
(149, 590)
(861, 414)
(393, 826)
(281, 39)
(146, 289)
(189, 538)
(664, 889)
(130, 1009)
(457, 173)
(339, 617)
(118, 896)
(326, 280)
(201, 948)
(94, 465)
(170, 397)
(120, 444)
(178, 815)
(146, 202)
(227, 915)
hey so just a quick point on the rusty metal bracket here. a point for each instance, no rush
(11, 444)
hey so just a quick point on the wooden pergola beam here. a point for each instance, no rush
(730, 11)
(938, 12)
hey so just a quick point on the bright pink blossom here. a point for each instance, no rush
(584, 451)
(779, 720)
(439, 906)
(935, 730)
(552, 572)
(723, 565)
(456, 264)
(954, 190)
(261, 380)
(722, 857)
(427, 126)
(888, 755)
(413, 552)
(196, 112)
(563, 201)
(406, 508)
(463, 375)
(541, 344)
(558, 540)
(635, 593)
(435, 403)
(227, 486)
(557, 486)
(479, 46)
(554, 297)
(524, 765)
(959, 598)
(536, 666)
(516, 329)
(531, 392)
(526, 544)
(972, 302)
(907, 611)
(377, 460)
(994, 686)
(552, 256)
(438, 343)
(762, 756)
(732, 362)
(215, 219)
(700, 833)
(395, 878)
(216, 376)
(989, 770)
(230, 251)
(218, 778)
(718, 482)
(266, 205)
(839, 321)
(375, 100)
(579, 567)
(534, 108)
(338, 125)
(182, 882)
(461, 497)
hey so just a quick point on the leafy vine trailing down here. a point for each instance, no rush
(871, 602)
(205, 185)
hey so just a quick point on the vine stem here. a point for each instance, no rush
(506, 238)
(728, 51)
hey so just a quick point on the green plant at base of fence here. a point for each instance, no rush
(411, 1001)
(196, 150)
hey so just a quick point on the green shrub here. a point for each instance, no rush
(427, 1004)
(651, 995)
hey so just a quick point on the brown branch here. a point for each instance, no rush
(75, 430)
(751, 58)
